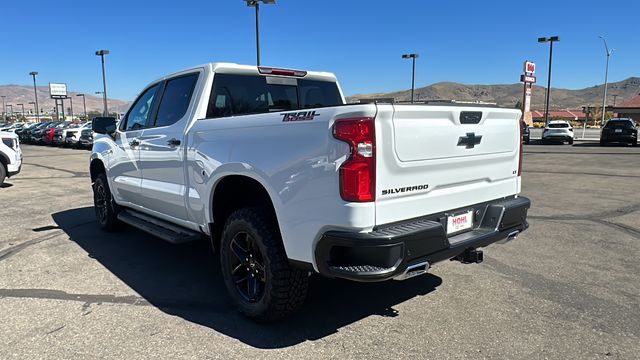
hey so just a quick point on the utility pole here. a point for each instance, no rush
(102, 53)
(35, 93)
(413, 58)
(4, 108)
(550, 40)
(606, 75)
(256, 4)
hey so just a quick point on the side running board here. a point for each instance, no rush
(162, 229)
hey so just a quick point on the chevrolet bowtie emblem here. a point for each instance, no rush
(469, 141)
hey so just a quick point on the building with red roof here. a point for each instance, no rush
(628, 109)
(569, 115)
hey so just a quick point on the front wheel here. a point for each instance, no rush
(106, 209)
(255, 267)
(570, 141)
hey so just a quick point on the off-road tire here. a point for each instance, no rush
(3, 173)
(284, 289)
(106, 209)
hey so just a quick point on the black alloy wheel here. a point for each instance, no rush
(247, 267)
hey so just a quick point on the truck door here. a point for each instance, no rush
(162, 149)
(124, 169)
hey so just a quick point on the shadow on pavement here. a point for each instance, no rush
(183, 280)
(596, 144)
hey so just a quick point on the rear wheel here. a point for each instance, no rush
(3, 173)
(255, 267)
(570, 141)
(634, 143)
(106, 209)
(602, 143)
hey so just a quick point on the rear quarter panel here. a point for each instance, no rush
(296, 162)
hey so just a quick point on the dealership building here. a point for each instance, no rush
(628, 109)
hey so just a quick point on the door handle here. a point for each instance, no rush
(133, 143)
(173, 142)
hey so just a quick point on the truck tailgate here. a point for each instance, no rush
(432, 159)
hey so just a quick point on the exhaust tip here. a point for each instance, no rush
(414, 270)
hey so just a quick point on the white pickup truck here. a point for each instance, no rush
(10, 155)
(287, 180)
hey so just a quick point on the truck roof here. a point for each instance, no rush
(232, 68)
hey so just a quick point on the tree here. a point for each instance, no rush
(518, 104)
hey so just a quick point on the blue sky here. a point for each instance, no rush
(473, 42)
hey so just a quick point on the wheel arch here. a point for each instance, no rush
(233, 192)
(96, 167)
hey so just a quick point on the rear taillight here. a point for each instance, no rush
(521, 155)
(358, 173)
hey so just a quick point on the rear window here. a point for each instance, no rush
(558, 126)
(619, 125)
(252, 94)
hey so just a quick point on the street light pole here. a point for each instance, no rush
(606, 76)
(614, 99)
(35, 92)
(71, 102)
(550, 40)
(413, 58)
(256, 4)
(32, 103)
(11, 115)
(4, 109)
(84, 105)
(102, 53)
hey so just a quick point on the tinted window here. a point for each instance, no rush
(558, 126)
(252, 94)
(175, 100)
(318, 94)
(141, 110)
(619, 125)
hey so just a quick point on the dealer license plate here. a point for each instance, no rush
(618, 130)
(457, 223)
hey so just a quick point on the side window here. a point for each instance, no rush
(175, 99)
(141, 110)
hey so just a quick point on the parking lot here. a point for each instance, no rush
(569, 287)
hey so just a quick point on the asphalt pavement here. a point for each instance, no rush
(579, 133)
(567, 288)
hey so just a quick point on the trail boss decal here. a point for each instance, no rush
(299, 116)
(404, 189)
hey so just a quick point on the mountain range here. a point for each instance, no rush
(503, 94)
(23, 94)
(510, 94)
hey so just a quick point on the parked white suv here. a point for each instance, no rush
(287, 180)
(10, 155)
(558, 131)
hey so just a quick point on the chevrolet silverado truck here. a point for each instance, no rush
(288, 180)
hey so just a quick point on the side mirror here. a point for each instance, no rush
(103, 125)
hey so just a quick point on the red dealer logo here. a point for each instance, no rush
(530, 67)
(460, 220)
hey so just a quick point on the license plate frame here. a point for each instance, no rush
(457, 223)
